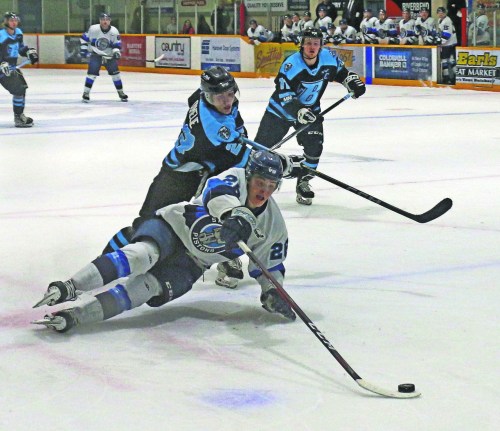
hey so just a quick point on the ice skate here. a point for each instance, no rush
(229, 273)
(123, 96)
(58, 292)
(86, 98)
(21, 120)
(304, 191)
(61, 321)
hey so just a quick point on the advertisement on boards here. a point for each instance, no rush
(403, 63)
(478, 66)
(352, 56)
(221, 51)
(176, 52)
(133, 51)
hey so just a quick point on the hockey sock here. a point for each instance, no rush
(117, 81)
(89, 82)
(18, 104)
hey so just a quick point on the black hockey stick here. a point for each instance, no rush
(305, 126)
(435, 212)
(319, 335)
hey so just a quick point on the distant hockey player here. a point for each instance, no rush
(299, 85)
(407, 34)
(386, 29)
(344, 33)
(102, 44)
(449, 42)
(12, 79)
(323, 21)
(186, 239)
(478, 31)
(286, 31)
(296, 24)
(258, 33)
(306, 22)
(425, 28)
(207, 145)
(367, 29)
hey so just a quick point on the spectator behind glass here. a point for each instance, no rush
(223, 19)
(203, 27)
(187, 28)
(172, 26)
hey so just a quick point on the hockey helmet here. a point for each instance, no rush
(216, 80)
(314, 33)
(253, 21)
(8, 16)
(307, 13)
(104, 16)
(266, 165)
(343, 22)
(441, 10)
(382, 11)
(425, 9)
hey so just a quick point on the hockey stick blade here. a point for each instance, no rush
(384, 392)
(441, 208)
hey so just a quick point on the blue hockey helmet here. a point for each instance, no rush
(266, 165)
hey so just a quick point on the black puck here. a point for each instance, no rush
(406, 388)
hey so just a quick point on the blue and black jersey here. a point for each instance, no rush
(208, 139)
(11, 46)
(299, 85)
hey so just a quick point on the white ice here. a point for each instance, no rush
(401, 301)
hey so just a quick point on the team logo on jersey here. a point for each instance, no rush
(288, 66)
(205, 235)
(258, 233)
(102, 43)
(224, 133)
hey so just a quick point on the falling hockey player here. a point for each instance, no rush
(102, 44)
(172, 250)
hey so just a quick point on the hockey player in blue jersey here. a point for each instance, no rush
(300, 83)
(12, 79)
(102, 44)
(186, 239)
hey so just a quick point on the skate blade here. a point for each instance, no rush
(55, 322)
(47, 299)
(227, 282)
(303, 201)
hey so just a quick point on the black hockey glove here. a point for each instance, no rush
(5, 68)
(305, 116)
(32, 55)
(274, 303)
(291, 165)
(237, 226)
(354, 85)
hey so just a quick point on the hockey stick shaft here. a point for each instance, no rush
(283, 293)
(156, 59)
(22, 64)
(305, 126)
(319, 335)
(437, 211)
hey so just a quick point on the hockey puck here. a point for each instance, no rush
(406, 388)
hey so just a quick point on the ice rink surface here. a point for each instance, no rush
(401, 301)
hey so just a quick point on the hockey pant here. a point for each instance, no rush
(16, 85)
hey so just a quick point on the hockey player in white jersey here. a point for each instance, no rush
(407, 34)
(448, 44)
(386, 29)
(102, 44)
(258, 33)
(171, 251)
(323, 21)
(478, 31)
(367, 29)
(306, 22)
(425, 28)
(286, 30)
(344, 33)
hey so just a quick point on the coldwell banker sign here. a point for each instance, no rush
(176, 52)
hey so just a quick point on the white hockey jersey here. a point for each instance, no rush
(322, 23)
(425, 30)
(447, 30)
(260, 33)
(479, 30)
(198, 224)
(386, 29)
(366, 30)
(347, 36)
(101, 43)
(407, 34)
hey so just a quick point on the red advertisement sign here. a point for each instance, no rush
(133, 51)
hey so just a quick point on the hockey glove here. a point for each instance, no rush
(32, 55)
(291, 165)
(238, 226)
(354, 85)
(274, 303)
(305, 116)
(5, 68)
(116, 53)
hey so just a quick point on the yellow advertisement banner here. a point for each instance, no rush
(269, 56)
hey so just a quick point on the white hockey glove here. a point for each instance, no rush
(116, 53)
(305, 116)
(32, 55)
(354, 85)
(274, 303)
(291, 165)
(5, 68)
